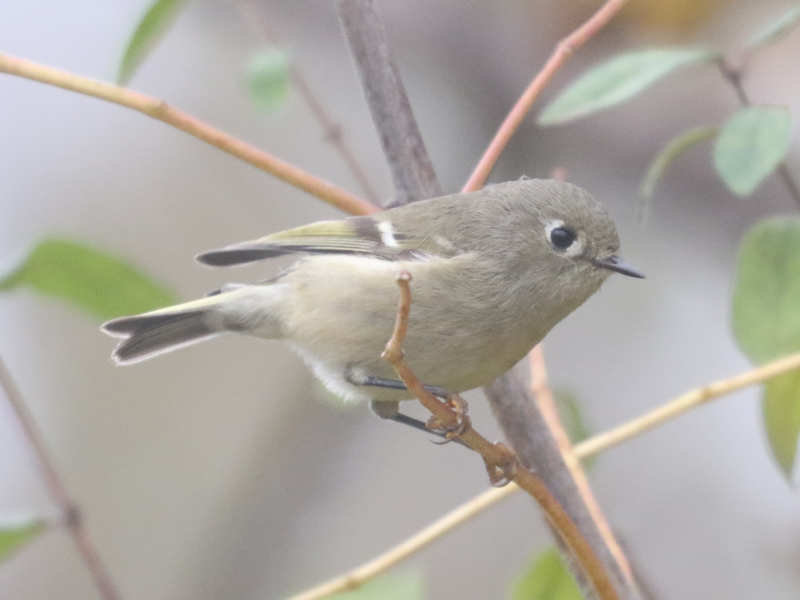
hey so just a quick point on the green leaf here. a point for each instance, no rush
(16, 533)
(86, 277)
(751, 144)
(268, 79)
(402, 586)
(781, 408)
(571, 417)
(775, 30)
(147, 33)
(672, 150)
(766, 321)
(618, 80)
(546, 579)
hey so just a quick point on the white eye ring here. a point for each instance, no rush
(574, 249)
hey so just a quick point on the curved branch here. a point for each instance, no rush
(501, 463)
(516, 115)
(464, 512)
(160, 110)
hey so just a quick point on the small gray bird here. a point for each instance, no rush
(493, 271)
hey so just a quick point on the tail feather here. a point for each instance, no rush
(244, 309)
(146, 336)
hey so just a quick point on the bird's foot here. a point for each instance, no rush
(451, 431)
(502, 470)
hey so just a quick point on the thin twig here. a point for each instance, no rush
(513, 120)
(332, 131)
(160, 110)
(540, 389)
(468, 510)
(71, 515)
(498, 458)
(412, 172)
(733, 75)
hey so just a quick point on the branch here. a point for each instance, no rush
(412, 171)
(160, 110)
(563, 50)
(461, 514)
(332, 130)
(540, 389)
(69, 510)
(501, 463)
(733, 76)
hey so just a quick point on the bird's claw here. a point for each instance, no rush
(451, 431)
(501, 472)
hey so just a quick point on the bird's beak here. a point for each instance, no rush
(615, 263)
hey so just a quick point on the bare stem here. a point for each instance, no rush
(333, 131)
(563, 50)
(733, 75)
(540, 389)
(500, 461)
(465, 512)
(71, 515)
(160, 110)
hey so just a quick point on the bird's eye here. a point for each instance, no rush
(561, 237)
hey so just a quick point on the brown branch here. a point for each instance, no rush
(540, 389)
(450, 416)
(412, 171)
(332, 131)
(516, 115)
(161, 111)
(71, 515)
(465, 512)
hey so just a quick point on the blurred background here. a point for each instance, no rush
(223, 470)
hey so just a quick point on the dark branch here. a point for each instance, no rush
(412, 171)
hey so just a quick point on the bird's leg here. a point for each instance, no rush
(391, 411)
(395, 384)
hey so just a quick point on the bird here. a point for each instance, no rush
(493, 271)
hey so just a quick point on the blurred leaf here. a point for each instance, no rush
(672, 150)
(781, 408)
(147, 33)
(751, 144)
(775, 30)
(402, 586)
(268, 79)
(15, 534)
(571, 416)
(93, 280)
(546, 579)
(617, 80)
(766, 321)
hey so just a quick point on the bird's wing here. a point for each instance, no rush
(355, 235)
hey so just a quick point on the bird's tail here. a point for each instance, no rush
(245, 309)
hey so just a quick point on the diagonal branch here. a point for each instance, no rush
(500, 461)
(412, 171)
(468, 510)
(516, 115)
(160, 110)
(55, 486)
